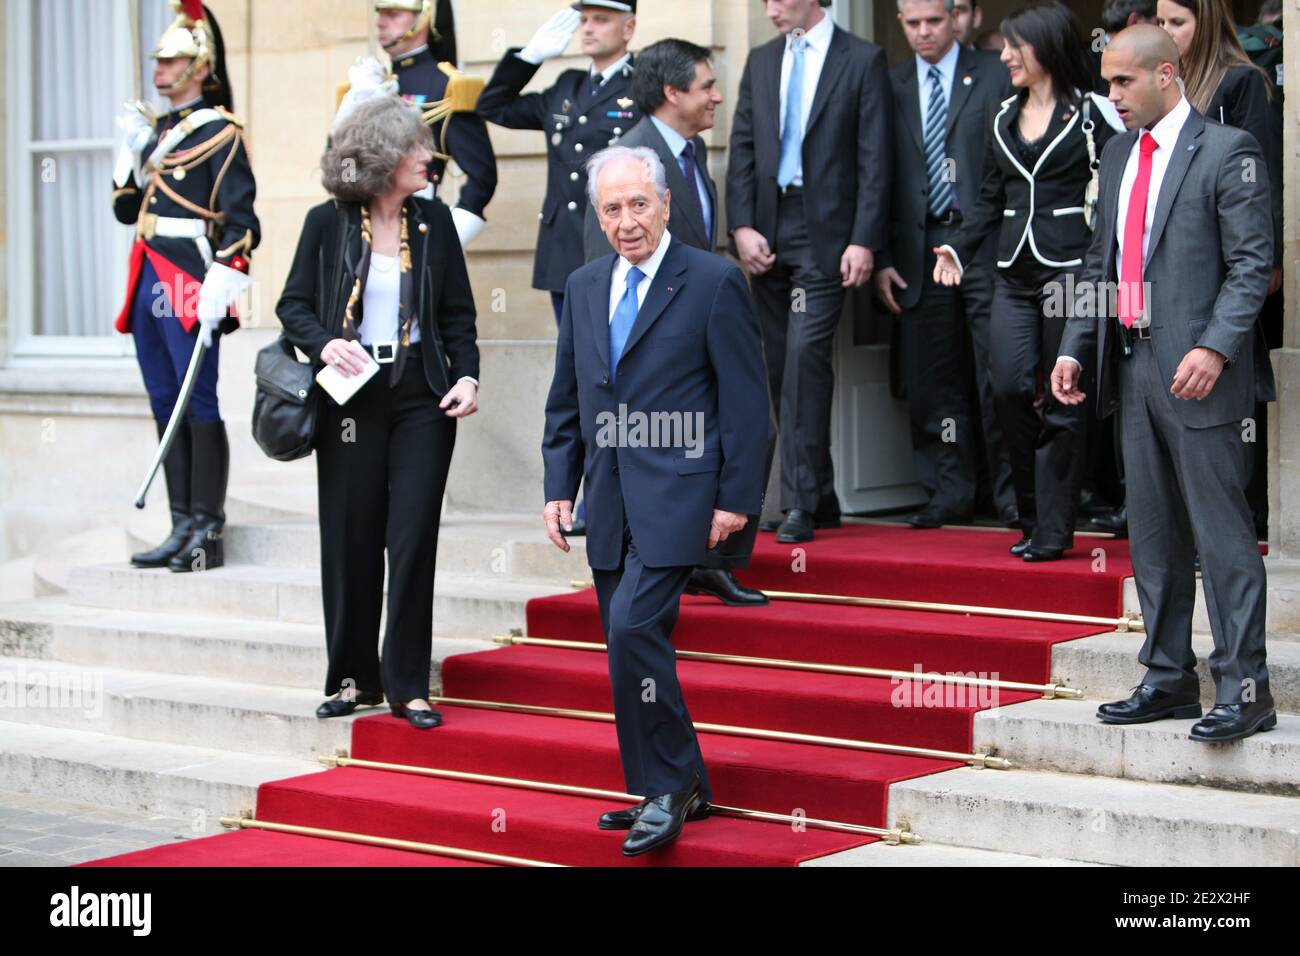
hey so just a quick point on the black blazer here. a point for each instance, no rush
(311, 308)
(687, 219)
(970, 113)
(1040, 209)
(847, 156)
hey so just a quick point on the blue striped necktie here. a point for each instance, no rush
(620, 326)
(936, 137)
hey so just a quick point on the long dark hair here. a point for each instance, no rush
(1053, 32)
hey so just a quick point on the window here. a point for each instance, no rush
(72, 64)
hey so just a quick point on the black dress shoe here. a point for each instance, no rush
(931, 517)
(771, 524)
(1036, 552)
(661, 819)
(722, 584)
(1021, 546)
(1227, 722)
(1113, 522)
(338, 707)
(419, 719)
(623, 819)
(797, 526)
(1148, 703)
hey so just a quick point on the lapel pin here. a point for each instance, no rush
(966, 81)
(624, 102)
(424, 227)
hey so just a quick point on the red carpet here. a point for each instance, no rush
(950, 566)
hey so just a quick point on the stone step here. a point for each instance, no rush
(1099, 819)
(464, 606)
(1066, 736)
(239, 717)
(932, 854)
(200, 784)
(1283, 607)
(235, 649)
(1105, 667)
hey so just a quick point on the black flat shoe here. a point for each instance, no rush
(797, 527)
(1037, 553)
(623, 819)
(1227, 722)
(338, 707)
(722, 584)
(1021, 546)
(661, 819)
(419, 719)
(930, 518)
(1148, 703)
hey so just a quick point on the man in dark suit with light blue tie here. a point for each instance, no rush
(658, 386)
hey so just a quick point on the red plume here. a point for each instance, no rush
(193, 9)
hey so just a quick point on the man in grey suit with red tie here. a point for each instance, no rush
(1184, 225)
(808, 183)
(658, 383)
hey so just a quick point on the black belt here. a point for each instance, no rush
(386, 352)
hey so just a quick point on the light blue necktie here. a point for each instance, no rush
(936, 139)
(620, 326)
(792, 132)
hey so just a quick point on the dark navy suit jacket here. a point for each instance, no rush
(694, 350)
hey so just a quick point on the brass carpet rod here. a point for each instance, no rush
(987, 761)
(369, 839)
(893, 837)
(1127, 623)
(1048, 691)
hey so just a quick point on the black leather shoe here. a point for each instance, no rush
(1037, 553)
(661, 819)
(1227, 722)
(772, 524)
(722, 584)
(1021, 546)
(1148, 703)
(623, 819)
(930, 517)
(338, 707)
(797, 526)
(419, 719)
(1113, 522)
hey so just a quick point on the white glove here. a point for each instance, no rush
(222, 286)
(468, 225)
(553, 37)
(135, 132)
(367, 79)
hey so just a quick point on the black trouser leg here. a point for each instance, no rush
(976, 292)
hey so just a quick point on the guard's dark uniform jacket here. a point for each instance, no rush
(205, 179)
(463, 136)
(577, 124)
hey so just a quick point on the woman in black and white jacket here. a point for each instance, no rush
(1037, 171)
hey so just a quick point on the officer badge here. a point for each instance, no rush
(624, 102)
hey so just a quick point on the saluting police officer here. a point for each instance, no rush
(423, 51)
(582, 113)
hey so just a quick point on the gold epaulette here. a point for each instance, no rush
(229, 116)
(462, 90)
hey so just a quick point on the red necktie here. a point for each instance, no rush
(1135, 223)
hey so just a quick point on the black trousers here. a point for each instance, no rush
(1046, 448)
(656, 737)
(381, 469)
(799, 309)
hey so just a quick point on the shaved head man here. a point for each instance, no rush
(1141, 65)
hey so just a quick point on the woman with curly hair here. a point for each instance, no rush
(379, 277)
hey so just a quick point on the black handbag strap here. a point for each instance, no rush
(342, 229)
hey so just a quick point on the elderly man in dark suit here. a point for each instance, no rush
(808, 182)
(677, 94)
(944, 96)
(658, 383)
(1184, 235)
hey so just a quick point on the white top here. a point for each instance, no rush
(381, 303)
(817, 41)
(618, 282)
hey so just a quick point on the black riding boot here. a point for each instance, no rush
(176, 472)
(203, 550)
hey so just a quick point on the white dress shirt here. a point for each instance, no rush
(610, 70)
(380, 305)
(817, 42)
(618, 282)
(677, 142)
(947, 70)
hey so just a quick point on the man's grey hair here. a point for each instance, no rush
(947, 5)
(366, 148)
(648, 158)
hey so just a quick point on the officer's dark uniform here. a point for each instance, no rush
(463, 136)
(579, 121)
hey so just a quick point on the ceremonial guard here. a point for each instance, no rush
(582, 112)
(184, 181)
(422, 48)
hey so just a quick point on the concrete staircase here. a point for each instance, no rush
(179, 694)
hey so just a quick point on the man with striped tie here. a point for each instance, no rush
(942, 98)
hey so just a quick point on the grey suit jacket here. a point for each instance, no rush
(1207, 268)
(686, 218)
